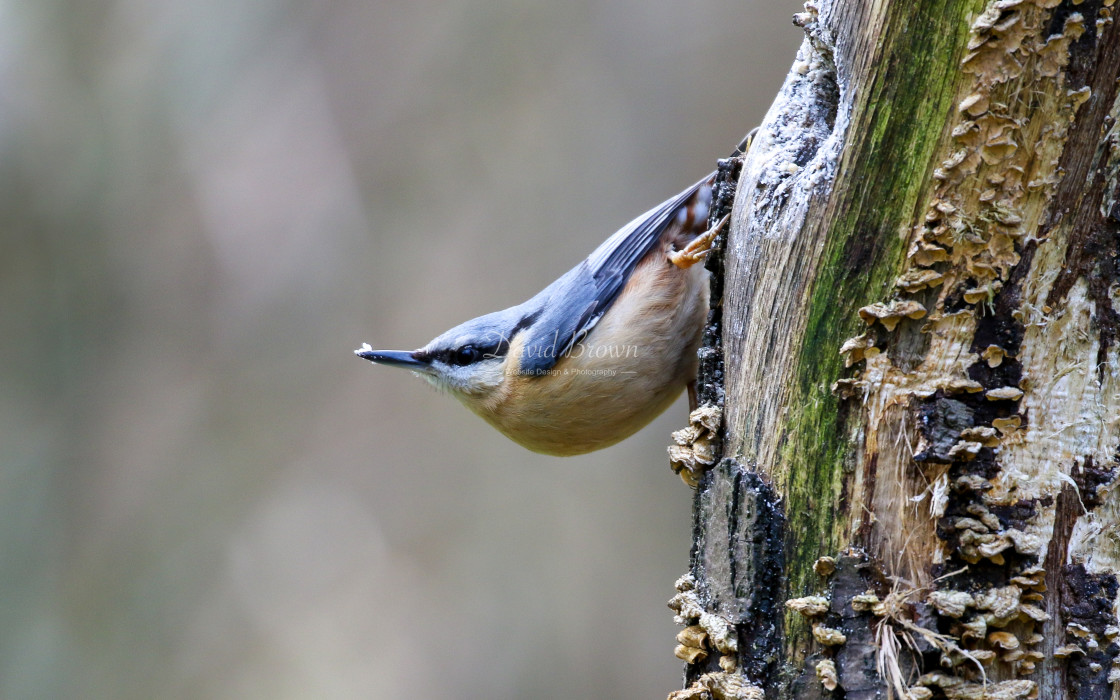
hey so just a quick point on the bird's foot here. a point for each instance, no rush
(698, 247)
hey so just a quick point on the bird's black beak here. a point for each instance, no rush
(394, 358)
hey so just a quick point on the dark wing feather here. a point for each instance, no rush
(572, 305)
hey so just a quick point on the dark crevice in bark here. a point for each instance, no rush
(737, 562)
(709, 383)
(1091, 480)
(856, 658)
(940, 422)
(1053, 670)
(1093, 253)
(1086, 607)
(1080, 603)
(1001, 327)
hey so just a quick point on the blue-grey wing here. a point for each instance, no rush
(571, 306)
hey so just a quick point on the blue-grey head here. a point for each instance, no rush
(470, 360)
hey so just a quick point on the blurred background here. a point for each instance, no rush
(207, 206)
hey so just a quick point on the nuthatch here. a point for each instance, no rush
(598, 353)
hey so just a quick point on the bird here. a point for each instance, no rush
(599, 353)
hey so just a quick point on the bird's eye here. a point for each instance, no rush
(468, 354)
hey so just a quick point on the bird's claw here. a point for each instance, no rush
(698, 247)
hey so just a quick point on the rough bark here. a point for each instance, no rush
(914, 346)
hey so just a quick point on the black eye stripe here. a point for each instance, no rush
(470, 353)
(493, 346)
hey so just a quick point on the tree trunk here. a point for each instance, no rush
(913, 344)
